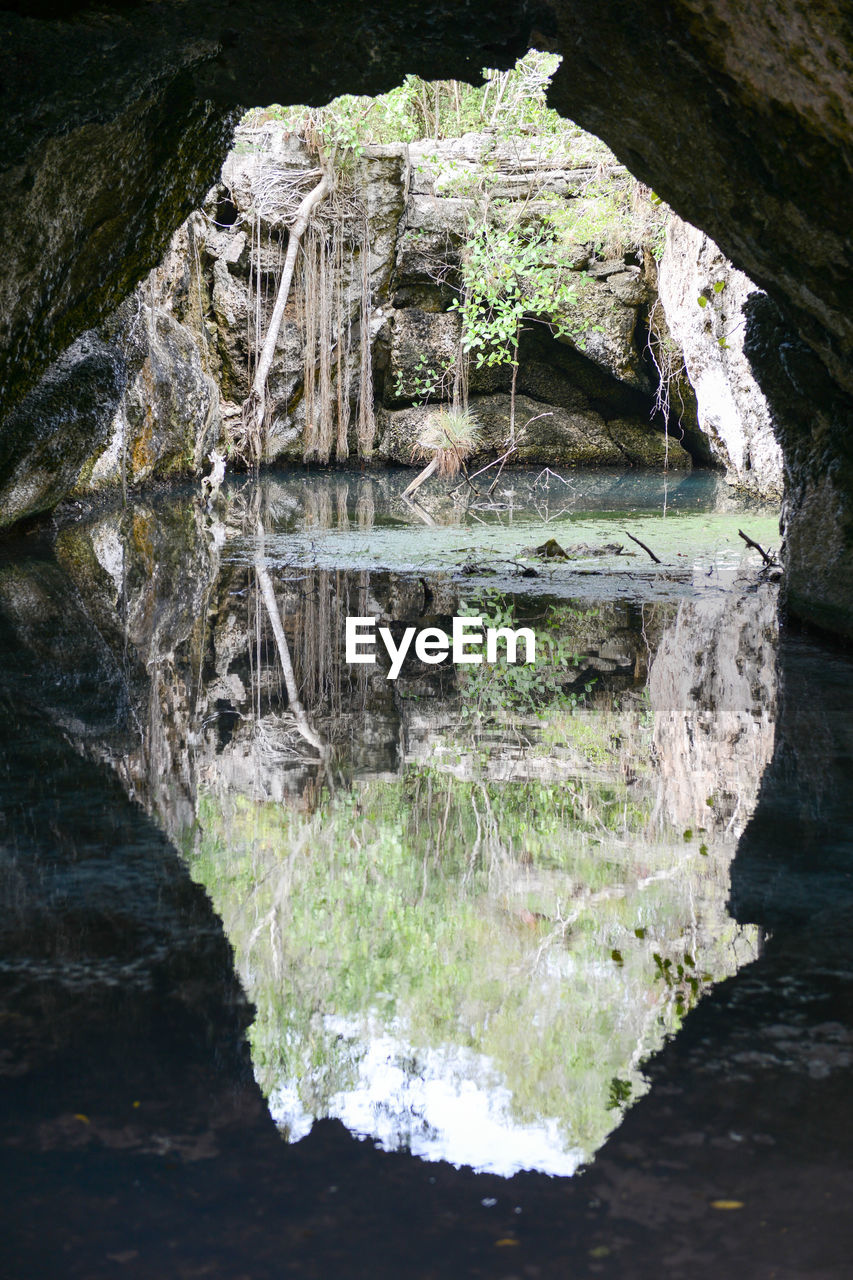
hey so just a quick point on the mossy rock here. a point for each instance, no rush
(645, 446)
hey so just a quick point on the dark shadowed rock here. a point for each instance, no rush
(58, 426)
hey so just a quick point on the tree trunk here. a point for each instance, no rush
(254, 407)
(422, 476)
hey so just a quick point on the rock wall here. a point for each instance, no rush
(703, 300)
(584, 400)
(402, 220)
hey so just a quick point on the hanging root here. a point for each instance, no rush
(248, 437)
(366, 426)
(255, 404)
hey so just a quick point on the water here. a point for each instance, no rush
(476, 911)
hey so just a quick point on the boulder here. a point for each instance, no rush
(551, 436)
(169, 419)
(603, 327)
(47, 439)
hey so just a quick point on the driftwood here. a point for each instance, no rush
(421, 478)
(750, 542)
(647, 550)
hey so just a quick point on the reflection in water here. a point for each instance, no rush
(479, 899)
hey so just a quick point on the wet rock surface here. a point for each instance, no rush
(703, 300)
(46, 442)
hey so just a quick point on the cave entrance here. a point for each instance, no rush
(475, 252)
(454, 278)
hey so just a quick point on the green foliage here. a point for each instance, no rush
(424, 382)
(601, 218)
(508, 272)
(681, 978)
(509, 102)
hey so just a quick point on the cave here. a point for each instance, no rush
(121, 157)
(129, 981)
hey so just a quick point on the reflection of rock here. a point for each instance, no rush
(451, 863)
(712, 690)
(117, 981)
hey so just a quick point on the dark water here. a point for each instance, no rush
(590, 914)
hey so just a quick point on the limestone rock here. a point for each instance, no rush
(424, 349)
(603, 328)
(733, 412)
(426, 268)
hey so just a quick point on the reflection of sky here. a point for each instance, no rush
(439, 1107)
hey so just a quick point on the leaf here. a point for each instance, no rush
(702, 300)
(719, 286)
(726, 1204)
(617, 957)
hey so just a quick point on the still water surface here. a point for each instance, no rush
(477, 913)
(467, 904)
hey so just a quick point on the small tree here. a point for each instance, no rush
(510, 273)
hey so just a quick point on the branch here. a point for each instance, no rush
(647, 550)
(768, 560)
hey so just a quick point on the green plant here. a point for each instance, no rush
(449, 437)
(508, 272)
(424, 382)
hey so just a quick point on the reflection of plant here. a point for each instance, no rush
(502, 687)
(370, 912)
(681, 979)
(619, 1095)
